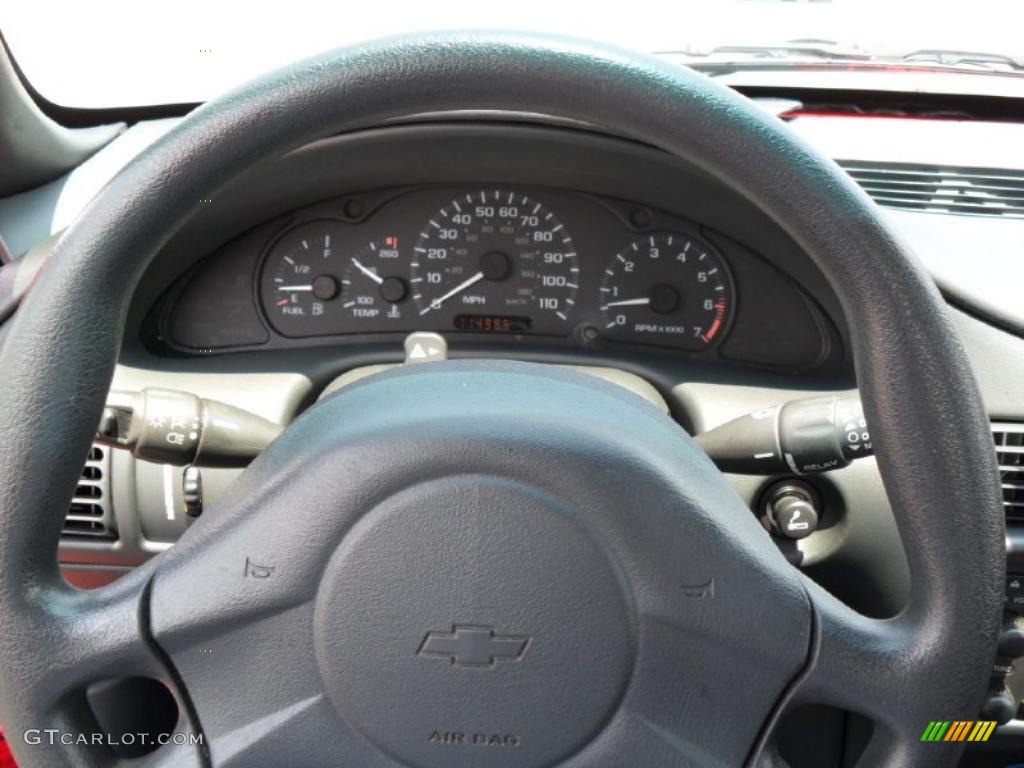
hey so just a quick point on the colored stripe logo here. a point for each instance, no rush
(958, 730)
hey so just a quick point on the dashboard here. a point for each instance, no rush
(517, 264)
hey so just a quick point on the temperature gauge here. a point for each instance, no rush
(377, 287)
(314, 283)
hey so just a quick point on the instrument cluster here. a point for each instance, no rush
(540, 264)
(493, 260)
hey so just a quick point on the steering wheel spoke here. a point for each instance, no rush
(849, 650)
(280, 713)
(301, 732)
(858, 663)
(93, 635)
(89, 637)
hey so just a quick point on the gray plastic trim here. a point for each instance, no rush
(628, 381)
(33, 148)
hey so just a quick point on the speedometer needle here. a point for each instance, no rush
(368, 272)
(629, 302)
(436, 303)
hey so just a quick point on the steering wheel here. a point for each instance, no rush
(484, 563)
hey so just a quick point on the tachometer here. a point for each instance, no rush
(495, 261)
(669, 289)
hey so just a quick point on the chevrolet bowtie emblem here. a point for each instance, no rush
(474, 646)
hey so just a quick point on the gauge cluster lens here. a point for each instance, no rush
(495, 261)
(667, 289)
(499, 262)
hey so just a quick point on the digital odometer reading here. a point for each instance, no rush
(491, 323)
(669, 289)
(495, 253)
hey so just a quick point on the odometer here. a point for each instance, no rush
(495, 253)
(491, 323)
(668, 289)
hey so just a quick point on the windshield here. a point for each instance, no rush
(105, 54)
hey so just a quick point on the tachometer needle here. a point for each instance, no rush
(436, 303)
(629, 302)
(368, 272)
(295, 287)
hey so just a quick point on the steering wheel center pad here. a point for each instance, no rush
(504, 556)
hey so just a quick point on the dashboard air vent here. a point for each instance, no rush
(1009, 440)
(941, 189)
(90, 512)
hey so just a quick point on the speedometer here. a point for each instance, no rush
(495, 261)
(669, 289)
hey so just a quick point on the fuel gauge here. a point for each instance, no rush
(314, 283)
(301, 283)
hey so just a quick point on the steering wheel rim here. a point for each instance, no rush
(931, 431)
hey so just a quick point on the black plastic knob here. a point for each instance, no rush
(192, 491)
(393, 289)
(793, 516)
(1010, 644)
(325, 287)
(1000, 707)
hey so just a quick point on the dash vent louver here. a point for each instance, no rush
(941, 188)
(1009, 439)
(90, 513)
